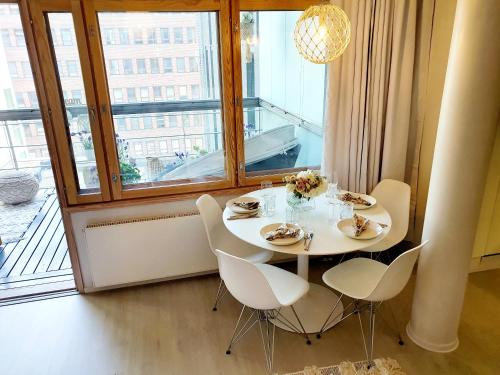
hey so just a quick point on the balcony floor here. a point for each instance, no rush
(41, 258)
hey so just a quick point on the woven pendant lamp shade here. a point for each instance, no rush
(322, 33)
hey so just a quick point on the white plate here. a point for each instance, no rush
(367, 198)
(373, 230)
(281, 241)
(241, 210)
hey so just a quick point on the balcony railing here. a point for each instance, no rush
(9, 119)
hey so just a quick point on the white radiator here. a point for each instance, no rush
(130, 251)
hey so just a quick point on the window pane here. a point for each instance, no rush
(284, 124)
(23, 145)
(68, 66)
(164, 140)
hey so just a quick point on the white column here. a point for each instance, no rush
(467, 125)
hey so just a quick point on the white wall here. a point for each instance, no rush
(198, 245)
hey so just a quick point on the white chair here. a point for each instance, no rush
(263, 290)
(220, 238)
(364, 279)
(395, 197)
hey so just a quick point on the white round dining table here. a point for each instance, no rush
(316, 305)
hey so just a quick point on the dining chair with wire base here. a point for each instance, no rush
(263, 290)
(368, 283)
(220, 238)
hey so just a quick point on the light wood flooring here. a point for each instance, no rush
(169, 328)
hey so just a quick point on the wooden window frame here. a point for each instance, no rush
(91, 9)
(254, 5)
(90, 47)
(38, 11)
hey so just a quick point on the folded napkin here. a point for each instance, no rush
(348, 197)
(359, 224)
(283, 231)
(247, 205)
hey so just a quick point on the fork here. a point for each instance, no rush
(310, 235)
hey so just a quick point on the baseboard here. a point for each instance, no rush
(485, 263)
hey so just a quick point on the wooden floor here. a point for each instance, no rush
(169, 329)
(42, 257)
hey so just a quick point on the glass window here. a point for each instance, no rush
(39, 130)
(148, 122)
(151, 36)
(114, 67)
(6, 38)
(13, 69)
(155, 65)
(137, 148)
(121, 124)
(131, 96)
(77, 115)
(170, 92)
(190, 35)
(180, 64)
(151, 147)
(195, 91)
(161, 88)
(33, 99)
(185, 120)
(26, 68)
(123, 35)
(20, 100)
(160, 122)
(66, 38)
(193, 64)
(157, 93)
(274, 72)
(163, 147)
(167, 65)
(175, 145)
(128, 67)
(165, 35)
(178, 37)
(183, 92)
(134, 123)
(118, 95)
(13, 9)
(138, 36)
(172, 121)
(19, 36)
(77, 96)
(144, 94)
(61, 68)
(72, 68)
(141, 66)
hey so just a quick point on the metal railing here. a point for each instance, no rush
(18, 117)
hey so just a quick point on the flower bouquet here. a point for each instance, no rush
(303, 186)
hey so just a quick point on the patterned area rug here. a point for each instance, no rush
(16, 218)
(383, 366)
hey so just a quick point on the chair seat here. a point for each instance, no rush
(287, 287)
(356, 278)
(233, 245)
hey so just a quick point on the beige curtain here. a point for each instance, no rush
(369, 95)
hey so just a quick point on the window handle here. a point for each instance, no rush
(114, 177)
(92, 114)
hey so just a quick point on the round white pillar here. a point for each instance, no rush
(467, 125)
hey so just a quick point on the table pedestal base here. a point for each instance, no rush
(312, 309)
